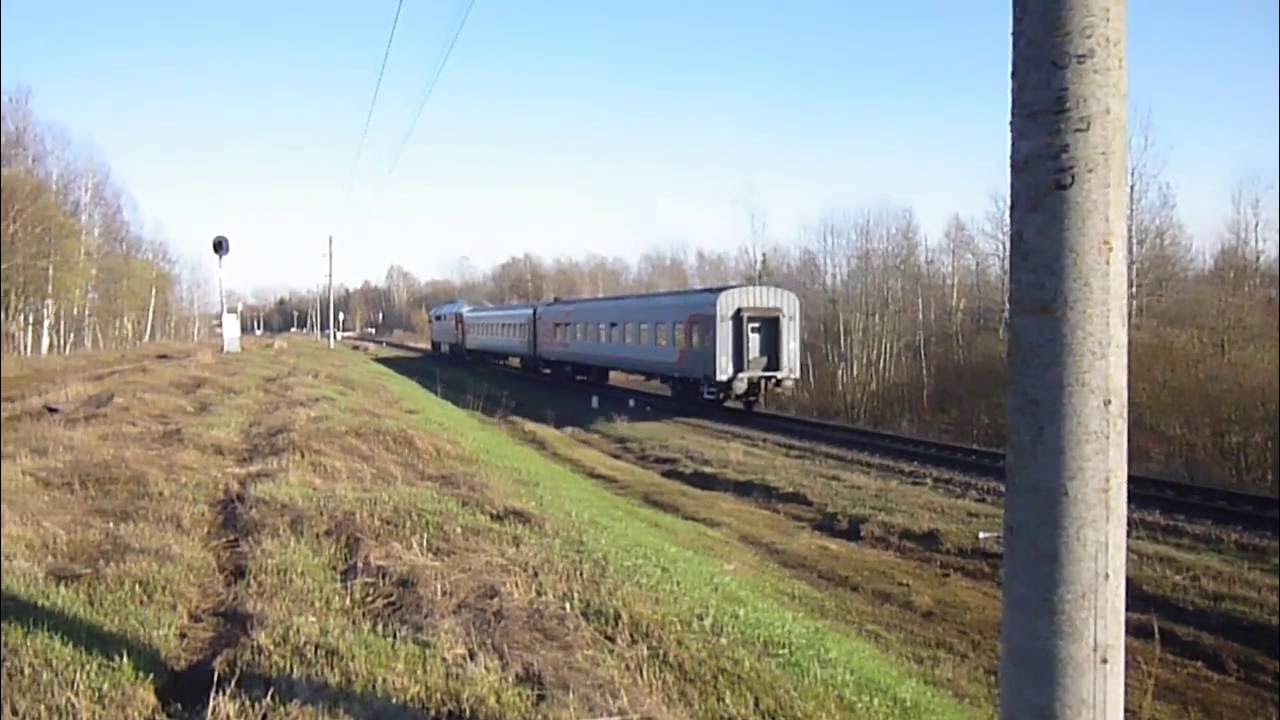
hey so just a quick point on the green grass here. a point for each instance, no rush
(737, 639)
(891, 554)
(401, 557)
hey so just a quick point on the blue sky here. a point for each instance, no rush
(583, 126)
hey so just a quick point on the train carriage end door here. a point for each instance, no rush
(757, 342)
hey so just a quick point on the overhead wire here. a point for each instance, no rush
(446, 52)
(373, 102)
(430, 88)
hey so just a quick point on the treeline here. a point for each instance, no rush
(907, 332)
(78, 271)
(902, 330)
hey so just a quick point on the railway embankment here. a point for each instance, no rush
(297, 532)
(900, 553)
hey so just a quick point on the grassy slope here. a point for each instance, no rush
(726, 622)
(343, 543)
(893, 552)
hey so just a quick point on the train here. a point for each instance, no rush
(711, 344)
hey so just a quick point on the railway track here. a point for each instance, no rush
(1259, 513)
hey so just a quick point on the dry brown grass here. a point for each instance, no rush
(904, 561)
(289, 533)
(153, 525)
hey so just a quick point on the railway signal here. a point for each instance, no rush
(230, 322)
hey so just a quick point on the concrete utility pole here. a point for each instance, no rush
(332, 331)
(1062, 633)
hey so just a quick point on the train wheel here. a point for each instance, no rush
(749, 405)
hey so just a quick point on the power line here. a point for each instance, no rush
(364, 134)
(430, 88)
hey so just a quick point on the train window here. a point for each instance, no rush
(629, 333)
(580, 331)
(695, 334)
(602, 333)
(615, 334)
(679, 334)
(661, 333)
(644, 333)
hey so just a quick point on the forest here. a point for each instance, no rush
(903, 331)
(79, 271)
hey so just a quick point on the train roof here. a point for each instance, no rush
(502, 308)
(483, 307)
(713, 291)
(631, 296)
(455, 306)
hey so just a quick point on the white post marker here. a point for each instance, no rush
(230, 321)
(231, 332)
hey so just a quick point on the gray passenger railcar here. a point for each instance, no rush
(715, 343)
(501, 332)
(448, 326)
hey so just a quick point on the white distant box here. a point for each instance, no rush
(231, 332)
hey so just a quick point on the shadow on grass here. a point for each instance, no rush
(109, 645)
(497, 393)
(191, 701)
